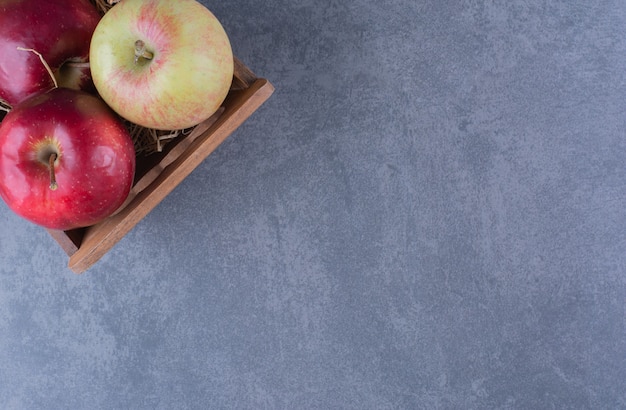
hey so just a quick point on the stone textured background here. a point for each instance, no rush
(429, 213)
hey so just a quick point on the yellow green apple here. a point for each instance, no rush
(162, 64)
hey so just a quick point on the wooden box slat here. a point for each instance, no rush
(159, 173)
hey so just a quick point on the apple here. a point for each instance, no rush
(66, 159)
(40, 38)
(161, 64)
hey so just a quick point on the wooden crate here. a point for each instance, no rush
(159, 173)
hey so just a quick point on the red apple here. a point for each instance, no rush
(36, 33)
(66, 159)
(161, 64)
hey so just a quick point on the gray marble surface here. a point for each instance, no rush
(429, 213)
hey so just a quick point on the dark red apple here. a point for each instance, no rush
(36, 33)
(66, 159)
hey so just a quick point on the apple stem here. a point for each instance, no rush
(53, 179)
(141, 52)
(77, 64)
